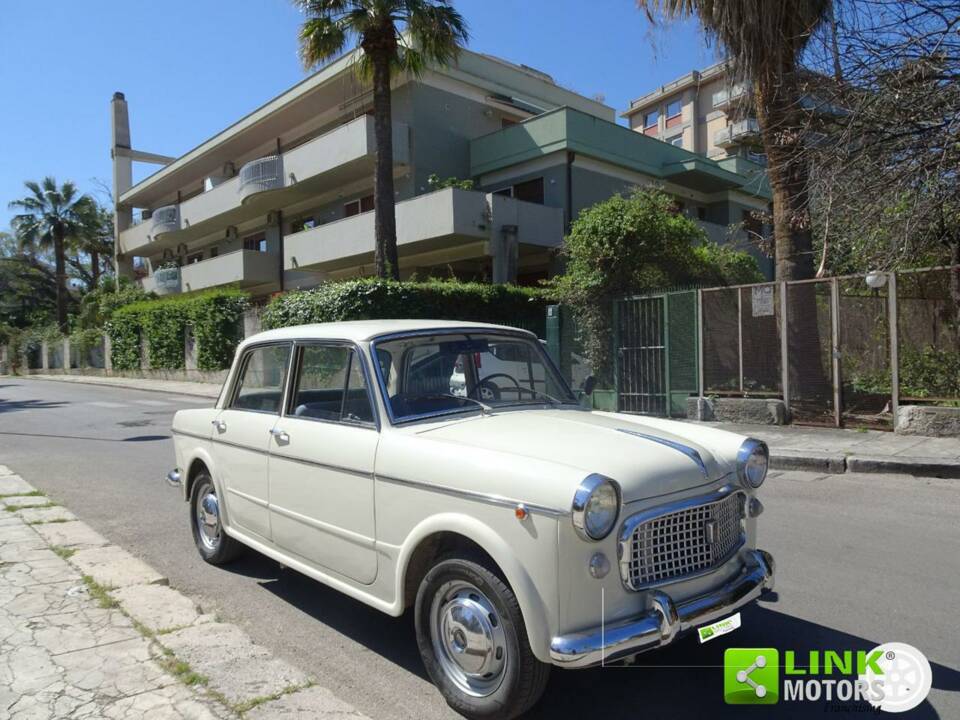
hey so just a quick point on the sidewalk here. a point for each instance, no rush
(835, 450)
(89, 631)
(174, 387)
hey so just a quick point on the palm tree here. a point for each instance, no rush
(395, 36)
(763, 41)
(95, 241)
(52, 217)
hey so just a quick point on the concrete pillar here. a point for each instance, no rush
(504, 243)
(4, 359)
(251, 322)
(107, 350)
(122, 178)
(189, 349)
(44, 356)
(144, 353)
(67, 364)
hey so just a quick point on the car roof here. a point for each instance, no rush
(364, 330)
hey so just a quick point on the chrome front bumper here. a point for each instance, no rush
(665, 620)
(173, 477)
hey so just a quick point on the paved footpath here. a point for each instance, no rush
(89, 631)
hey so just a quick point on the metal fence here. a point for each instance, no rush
(843, 351)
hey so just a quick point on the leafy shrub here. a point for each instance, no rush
(386, 299)
(630, 244)
(214, 316)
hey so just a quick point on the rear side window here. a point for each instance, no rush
(331, 386)
(264, 374)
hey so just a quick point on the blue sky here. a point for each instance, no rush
(191, 67)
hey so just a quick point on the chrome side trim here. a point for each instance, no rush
(488, 498)
(249, 498)
(326, 466)
(184, 433)
(353, 537)
(630, 524)
(666, 620)
(679, 447)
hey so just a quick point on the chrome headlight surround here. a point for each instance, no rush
(593, 490)
(753, 461)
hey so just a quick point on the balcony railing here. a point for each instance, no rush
(165, 219)
(262, 174)
(738, 132)
(726, 96)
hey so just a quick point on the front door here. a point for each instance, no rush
(321, 464)
(241, 436)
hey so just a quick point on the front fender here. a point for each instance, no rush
(531, 594)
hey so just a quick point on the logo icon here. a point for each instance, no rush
(905, 680)
(751, 676)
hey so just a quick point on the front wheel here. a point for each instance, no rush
(214, 545)
(474, 643)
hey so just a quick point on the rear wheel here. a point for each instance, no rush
(474, 643)
(214, 545)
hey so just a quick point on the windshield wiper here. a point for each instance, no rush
(484, 408)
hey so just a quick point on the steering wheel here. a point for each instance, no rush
(493, 390)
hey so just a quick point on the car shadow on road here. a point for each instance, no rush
(392, 638)
(686, 679)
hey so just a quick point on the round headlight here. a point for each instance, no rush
(752, 461)
(596, 505)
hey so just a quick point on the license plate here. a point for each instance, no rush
(721, 627)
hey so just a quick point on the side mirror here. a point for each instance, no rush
(589, 384)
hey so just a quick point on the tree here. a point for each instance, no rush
(52, 216)
(625, 245)
(95, 241)
(763, 42)
(395, 36)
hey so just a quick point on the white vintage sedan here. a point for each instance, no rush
(524, 530)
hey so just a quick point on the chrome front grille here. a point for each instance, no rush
(673, 544)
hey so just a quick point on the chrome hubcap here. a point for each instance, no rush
(208, 517)
(468, 638)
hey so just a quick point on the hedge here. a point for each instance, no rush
(386, 299)
(213, 315)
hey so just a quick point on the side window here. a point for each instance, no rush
(261, 382)
(330, 386)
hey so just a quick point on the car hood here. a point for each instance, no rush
(646, 456)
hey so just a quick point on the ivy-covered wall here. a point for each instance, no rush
(213, 315)
(437, 300)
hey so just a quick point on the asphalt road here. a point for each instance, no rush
(861, 560)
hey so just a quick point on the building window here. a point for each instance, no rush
(677, 141)
(650, 119)
(355, 207)
(506, 192)
(194, 258)
(257, 243)
(529, 191)
(701, 213)
(674, 108)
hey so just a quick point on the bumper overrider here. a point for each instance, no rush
(665, 620)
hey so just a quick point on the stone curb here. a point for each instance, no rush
(215, 661)
(837, 464)
(183, 386)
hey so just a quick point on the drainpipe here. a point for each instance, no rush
(280, 245)
(568, 201)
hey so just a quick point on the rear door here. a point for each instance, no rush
(321, 463)
(241, 436)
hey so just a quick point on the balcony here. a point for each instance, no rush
(165, 219)
(338, 157)
(164, 281)
(244, 268)
(740, 132)
(723, 99)
(438, 227)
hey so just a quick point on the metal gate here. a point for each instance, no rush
(656, 353)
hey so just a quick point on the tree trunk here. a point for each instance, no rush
(385, 222)
(61, 267)
(95, 269)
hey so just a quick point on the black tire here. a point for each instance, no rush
(521, 681)
(224, 548)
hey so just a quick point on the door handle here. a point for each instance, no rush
(220, 425)
(280, 435)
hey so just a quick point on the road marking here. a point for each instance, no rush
(152, 402)
(105, 404)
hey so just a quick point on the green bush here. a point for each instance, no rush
(386, 299)
(214, 316)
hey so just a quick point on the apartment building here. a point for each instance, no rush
(283, 197)
(704, 112)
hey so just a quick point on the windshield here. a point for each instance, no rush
(426, 375)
